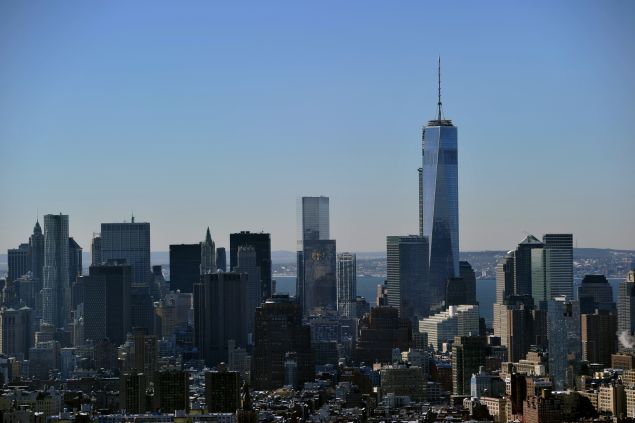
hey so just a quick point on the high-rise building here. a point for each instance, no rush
(261, 243)
(468, 355)
(559, 264)
(462, 320)
(440, 196)
(516, 327)
(626, 305)
(599, 337)
(16, 336)
(222, 391)
(595, 293)
(505, 278)
(131, 242)
(221, 259)
(220, 304)
(141, 308)
(379, 332)
(185, 266)
(74, 261)
(563, 326)
(279, 330)
(171, 390)
(19, 262)
(312, 224)
(462, 290)
(36, 245)
(56, 293)
(346, 284)
(319, 276)
(208, 255)
(95, 250)
(248, 264)
(525, 258)
(106, 298)
(132, 392)
(407, 268)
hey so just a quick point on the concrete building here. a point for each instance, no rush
(442, 327)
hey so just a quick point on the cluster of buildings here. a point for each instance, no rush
(217, 342)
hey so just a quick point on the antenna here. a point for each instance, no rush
(439, 80)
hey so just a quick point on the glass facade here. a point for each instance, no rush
(439, 191)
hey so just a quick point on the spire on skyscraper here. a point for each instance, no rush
(440, 113)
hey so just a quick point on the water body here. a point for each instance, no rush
(485, 291)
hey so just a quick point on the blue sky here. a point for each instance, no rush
(206, 113)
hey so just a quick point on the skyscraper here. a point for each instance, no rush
(95, 250)
(74, 261)
(559, 264)
(219, 314)
(346, 284)
(407, 266)
(468, 355)
(595, 293)
(131, 242)
(106, 298)
(56, 292)
(563, 326)
(19, 262)
(36, 244)
(626, 306)
(261, 242)
(185, 266)
(279, 330)
(599, 336)
(248, 264)
(440, 196)
(312, 224)
(524, 258)
(208, 255)
(221, 259)
(319, 280)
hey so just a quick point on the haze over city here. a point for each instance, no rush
(221, 115)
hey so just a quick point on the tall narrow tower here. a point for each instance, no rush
(208, 255)
(440, 197)
(56, 293)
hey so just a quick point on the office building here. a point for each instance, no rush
(222, 391)
(36, 247)
(407, 268)
(319, 276)
(379, 332)
(16, 335)
(626, 306)
(312, 225)
(18, 261)
(95, 250)
(132, 392)
(545, 408)
(130, 242)
(220, 314)
(515, 327)
(141, 308)
(401, 380)
(468, 355)
(505, 278)
(526, 257)
(440, 196)
(279, 330)
(185, 266)
(221, 259)
(74, 261)
(564, 341)
(208, 255)
(171, 390)
(247, 263)
(346, 284)
(261, 243)
(56, 293)
(599, 337)
(595, 293)
(559, 264)
(106, 298)
(462, 290)
(462, 320)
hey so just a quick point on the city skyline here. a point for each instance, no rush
(518, 101)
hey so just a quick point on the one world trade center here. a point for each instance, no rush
(439, 201)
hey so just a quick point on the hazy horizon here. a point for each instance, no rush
(221, 115)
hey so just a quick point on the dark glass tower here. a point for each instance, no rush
(262, 245)
(440, 196)
(185, 266)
